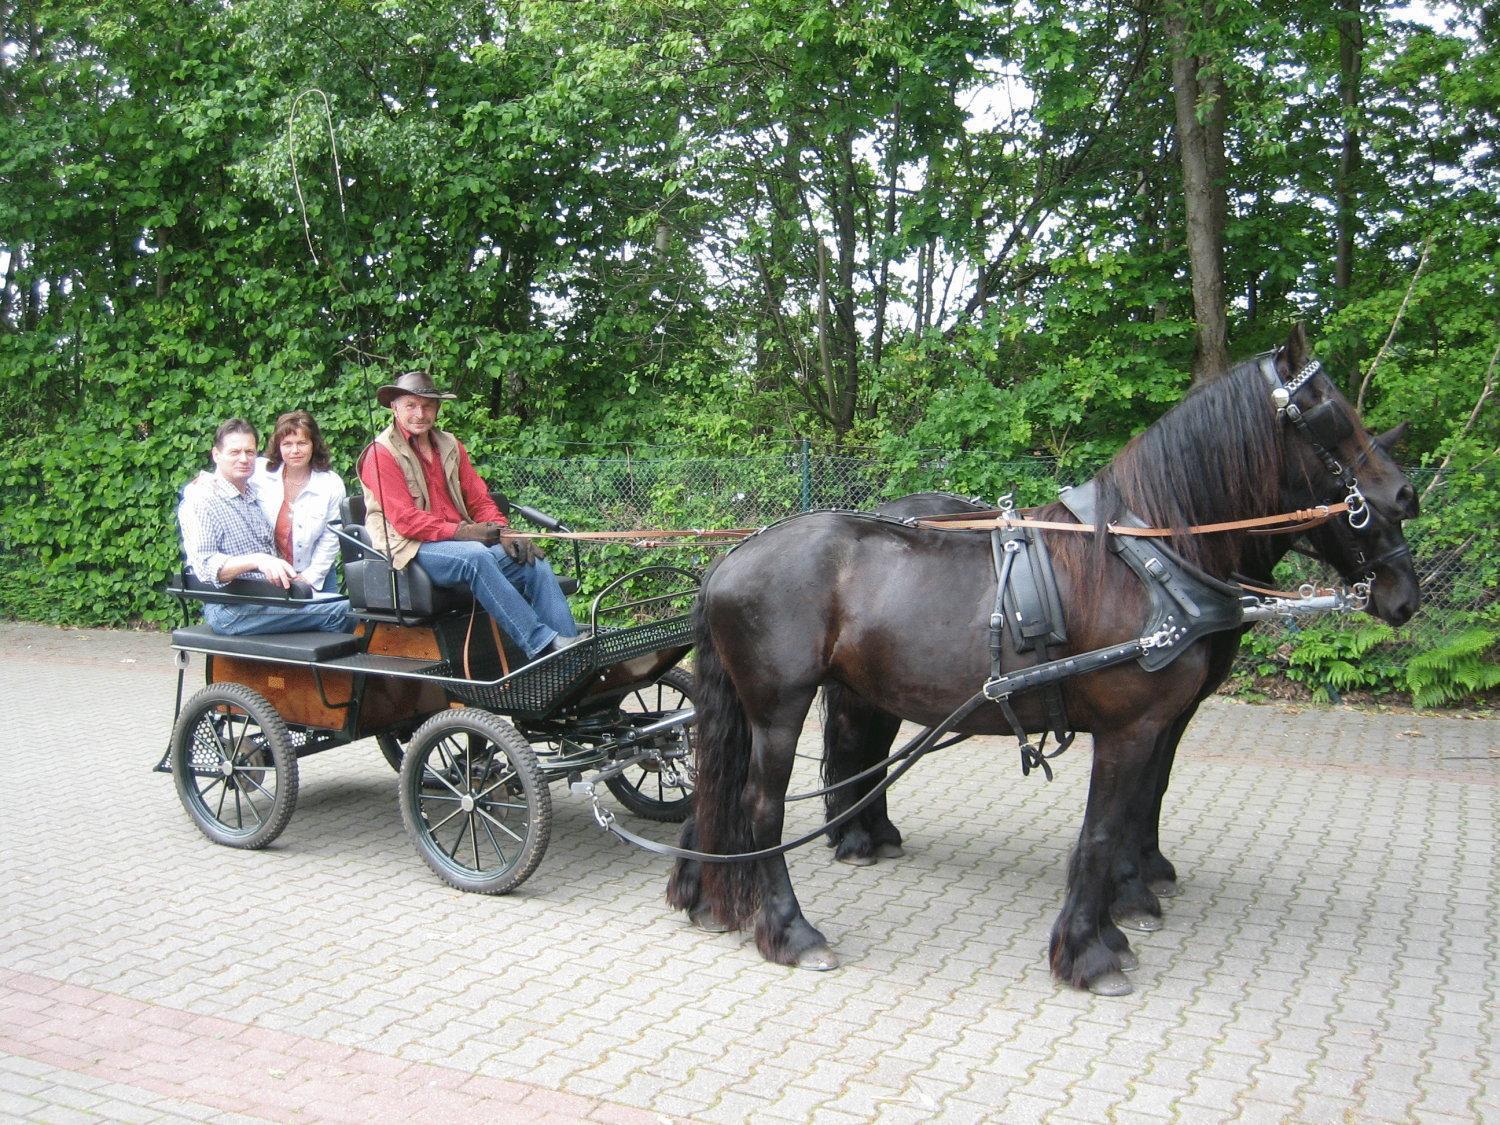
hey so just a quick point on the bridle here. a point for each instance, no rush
(1323, 427)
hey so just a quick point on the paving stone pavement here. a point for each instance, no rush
(1332, 957)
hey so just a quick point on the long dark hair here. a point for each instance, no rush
(1217, 455)
(289, 423)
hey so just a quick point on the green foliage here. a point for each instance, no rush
(600, 222)
(1328, 657)
(1466, 663)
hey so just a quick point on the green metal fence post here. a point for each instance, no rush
(806, 476)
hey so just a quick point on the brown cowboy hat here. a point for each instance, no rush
(412, 383)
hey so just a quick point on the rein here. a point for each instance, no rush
(1300, 520)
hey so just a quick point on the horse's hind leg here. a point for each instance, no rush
(1083, 948)
(855, 737)
(782, 933)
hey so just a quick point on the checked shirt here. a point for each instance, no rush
(217, 522)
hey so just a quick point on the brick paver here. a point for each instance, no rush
(1331, 957)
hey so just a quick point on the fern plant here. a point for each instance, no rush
(1334, 657)
(1464, 664)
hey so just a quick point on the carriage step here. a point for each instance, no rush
(389, 665)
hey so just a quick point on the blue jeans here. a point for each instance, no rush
(244, 620)
(525, 601)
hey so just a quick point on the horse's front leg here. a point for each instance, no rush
(1086, 946)
(782, 933)
(1142, 875)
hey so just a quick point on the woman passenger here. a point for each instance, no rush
(299, 496)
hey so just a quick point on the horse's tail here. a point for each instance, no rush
(720, 823)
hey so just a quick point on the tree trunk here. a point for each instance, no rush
(888, 231)
(1198, 94)
(1351, 64)
(847, 392)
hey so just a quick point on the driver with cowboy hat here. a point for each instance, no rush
(425, 501)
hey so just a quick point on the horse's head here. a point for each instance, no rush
(1331, 457)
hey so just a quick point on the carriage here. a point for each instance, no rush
(476, 733)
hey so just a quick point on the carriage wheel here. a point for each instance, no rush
(392, 749)
(233, 765)
(647, 789)
(474, 802)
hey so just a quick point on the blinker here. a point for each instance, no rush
(1328, 425)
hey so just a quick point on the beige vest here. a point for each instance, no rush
(382, 533)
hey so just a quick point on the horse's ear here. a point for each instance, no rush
(1391, 438)
(1297, 350)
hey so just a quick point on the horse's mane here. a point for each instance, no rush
(1215, 456)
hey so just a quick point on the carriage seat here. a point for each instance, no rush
(303, 647)
(367, 575)
(368, 578)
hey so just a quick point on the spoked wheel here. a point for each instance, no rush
(392, 749)
(661, 787)
(474, 801)
(233, 765)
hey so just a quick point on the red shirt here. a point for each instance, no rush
(284, 529)
(382, 476)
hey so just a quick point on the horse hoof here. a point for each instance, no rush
(1137, 920)
(857, 860)
(819, 958)
(1165, 888)
(889, 851)
(1129, 962)
(1111, 984)
(706, 922)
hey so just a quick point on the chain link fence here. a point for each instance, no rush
(618, 489)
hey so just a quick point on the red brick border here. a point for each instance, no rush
(260, 1072)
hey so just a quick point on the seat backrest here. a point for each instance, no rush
(374, 591)
(353, 509)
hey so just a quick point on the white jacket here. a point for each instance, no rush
(314, 546)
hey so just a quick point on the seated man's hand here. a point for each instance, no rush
(471, 532)
(521, 549)
(277, 570)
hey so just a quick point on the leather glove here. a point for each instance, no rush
(471, 532)
(522, 550)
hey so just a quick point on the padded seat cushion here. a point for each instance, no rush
(306, 646)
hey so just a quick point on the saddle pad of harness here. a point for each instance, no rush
(1032, 608)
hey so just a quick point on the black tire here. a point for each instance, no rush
(392, 749)
(233, 765)
(645, 789)
(474, 801)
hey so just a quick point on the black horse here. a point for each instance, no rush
(900, 613)
(858, 735)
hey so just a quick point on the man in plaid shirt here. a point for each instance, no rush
(226, 536)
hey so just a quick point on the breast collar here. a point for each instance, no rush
(1187, 603)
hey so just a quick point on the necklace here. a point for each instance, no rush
(291, 489)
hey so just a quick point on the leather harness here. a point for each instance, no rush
(1186, 605)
